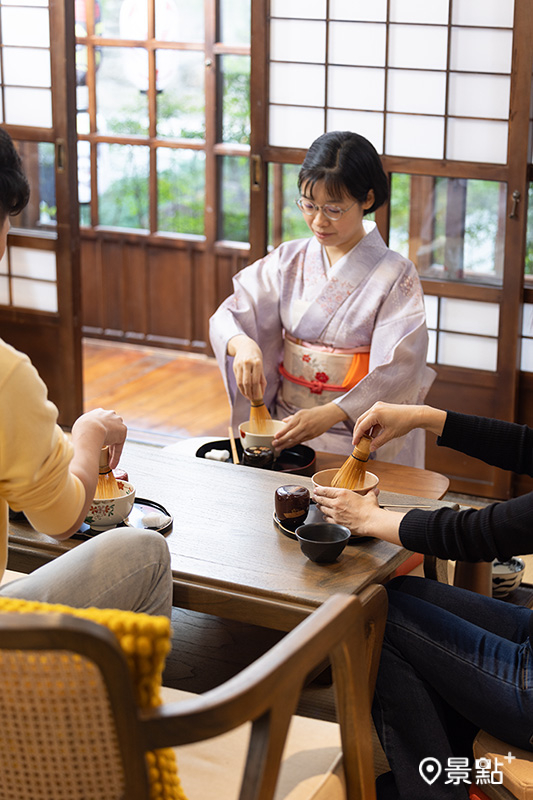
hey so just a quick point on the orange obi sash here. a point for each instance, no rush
(310, 370)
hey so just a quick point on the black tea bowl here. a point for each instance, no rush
(322, 542)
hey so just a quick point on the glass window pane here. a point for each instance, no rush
(29, 27)
(297, 40)
(298, 83)
(435, 12)
(39, 163)
(358, 10)
(492, 13)
(24, 66)
(32, 107)
(529, 235)
(360, 44)
(421, 137)
(181, 104)
(527, 319)
(295, 126)
(526, 356)
(458, 227)
(479, 95)
(235, 21)
(284, 208)
(418, 46)
(469, 316)
(477, 140)
(37, 295)
(235, 77)
(471, 352)
(481, 50)
(366, 123)
(189, 26)
(121, 84)
(416, 91)
(123, 186)
(400, 187)
(311, 9)
(180, 191)
(235, 199)
(355, 87)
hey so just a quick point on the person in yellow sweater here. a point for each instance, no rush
(53, 479)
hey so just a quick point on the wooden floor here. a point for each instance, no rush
(163, 395)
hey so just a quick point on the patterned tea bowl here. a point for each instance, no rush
(111, 511)
(507, 576)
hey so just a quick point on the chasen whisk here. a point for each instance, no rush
(352, 473)
(107, 483)
(259, 416)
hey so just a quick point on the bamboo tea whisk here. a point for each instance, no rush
(352, 473)
(259, 416)
(107, 485)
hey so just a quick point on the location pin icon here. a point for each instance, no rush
(430, 769)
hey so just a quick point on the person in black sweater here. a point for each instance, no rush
(452, 661)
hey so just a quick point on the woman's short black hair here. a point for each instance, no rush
(14, 186)
(347, 163)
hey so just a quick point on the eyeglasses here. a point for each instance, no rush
(334, 213)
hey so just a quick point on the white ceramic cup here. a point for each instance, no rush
(272, 426)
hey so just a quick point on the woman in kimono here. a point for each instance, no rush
(323, 327)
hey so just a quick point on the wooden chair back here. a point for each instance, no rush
(70, 675)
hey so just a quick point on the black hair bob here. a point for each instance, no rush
(14, 186)
(347, 163)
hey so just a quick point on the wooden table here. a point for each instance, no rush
(228, 558)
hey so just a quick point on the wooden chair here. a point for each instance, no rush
(51, 717)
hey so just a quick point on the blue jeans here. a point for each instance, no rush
(125, 568)
(452, 662)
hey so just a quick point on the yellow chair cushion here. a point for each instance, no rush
(518, 773)
(145, 641)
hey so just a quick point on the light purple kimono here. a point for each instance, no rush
(371, 298)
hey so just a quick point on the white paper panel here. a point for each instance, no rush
(297, 40)
(29, 263)
(526, 356)
(30, 3)
(358, 10)
(297, 83)
(292, 126)
(3, 264)
(469, 316)
(361, 44)
(25, 26)
(431, 303)
(480, 13)
(24, 66)
(416, 91)
(527, 318)
(83, 122)
(481, 50)
(38, 295)
(356, 87)
(472, 352)
(434, 12)
(366, 123)
(4, 291)
(432, 347)
(311, 9)
(419, 136)
(31, 107)
(418, 46)
(479, 95)
(477, 140)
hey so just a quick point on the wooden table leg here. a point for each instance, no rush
(474, 576)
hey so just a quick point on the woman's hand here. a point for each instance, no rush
(247, 366)
(307, 424)
(360, 513)
(389, 421)
(98, 428)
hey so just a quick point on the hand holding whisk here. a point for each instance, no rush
(352, 473)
